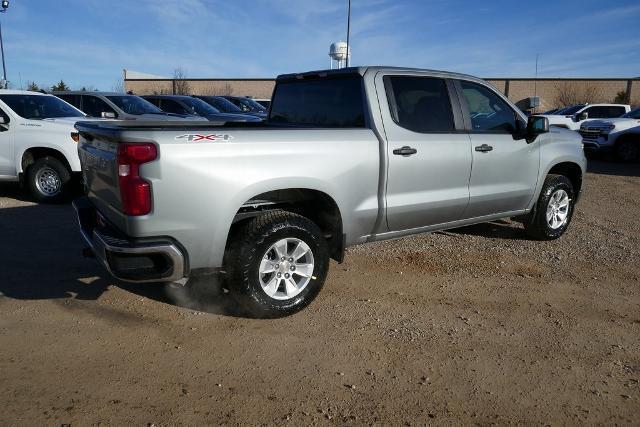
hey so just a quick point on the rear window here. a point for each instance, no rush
(334, 102)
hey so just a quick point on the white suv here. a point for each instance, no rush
(620, 136)
(571, 117)
(37, 144)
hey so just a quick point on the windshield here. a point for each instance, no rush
(135, 105)
(39, 106)
(199, 106)
(222, 104)
(633, 114)
(571, 110)
(253, 105)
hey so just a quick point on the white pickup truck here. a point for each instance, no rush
(572, 117)
(38, 143)
(620, 136)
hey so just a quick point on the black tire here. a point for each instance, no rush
(249, 245)
(628, 151)
(536, 224)
(42, 191)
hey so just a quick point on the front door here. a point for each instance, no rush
(504, 171)
(429, 153)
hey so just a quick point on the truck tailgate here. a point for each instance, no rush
(100, 172)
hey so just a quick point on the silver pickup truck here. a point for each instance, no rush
(346, 157)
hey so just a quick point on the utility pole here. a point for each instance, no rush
(5, 83)
(348, 31)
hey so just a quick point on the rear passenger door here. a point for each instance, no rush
(428, 151)
(504, 172)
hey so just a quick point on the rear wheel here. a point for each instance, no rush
(628, 150)
(276, 264)
(553, 211)
(48, 180)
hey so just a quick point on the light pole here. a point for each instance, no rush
(348, 31)
(4, 6)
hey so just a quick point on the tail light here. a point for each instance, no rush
(135, 192)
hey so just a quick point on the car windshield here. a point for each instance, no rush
(199, 107)
(222, 104)
(135, 105)
(39, 106)
(571, 110)
(633, 114)
(253, 105)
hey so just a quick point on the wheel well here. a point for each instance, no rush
(315, 205)
(32, 154)
(571, 171)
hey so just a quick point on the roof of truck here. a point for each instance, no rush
(372, 68)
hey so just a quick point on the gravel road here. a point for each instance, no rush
(472, 326)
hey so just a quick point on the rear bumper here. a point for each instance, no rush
(130, 260)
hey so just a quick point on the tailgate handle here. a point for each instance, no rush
(484, 148)
(405, 151)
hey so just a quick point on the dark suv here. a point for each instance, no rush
(182, 104)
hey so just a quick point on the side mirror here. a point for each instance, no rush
(2, 122)
(108, 115)
(583, 116)
(536, 125)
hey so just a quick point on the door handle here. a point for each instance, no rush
(484, 148)
(405, 151)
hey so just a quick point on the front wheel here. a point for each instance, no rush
(276, 264)
(48, 180)
(553, 211)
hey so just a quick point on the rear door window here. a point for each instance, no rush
(71, 99)
(171, 106)
(420, 104)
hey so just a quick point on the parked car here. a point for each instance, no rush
(119, 106)
(571, 117)
(619, 136)
(181, 104)
(346, 157)
(248, 105)
(266, 103)
(38, 143)
(225, 106)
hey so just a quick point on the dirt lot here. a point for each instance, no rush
(474, 326)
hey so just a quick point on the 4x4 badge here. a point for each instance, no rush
(195, 137)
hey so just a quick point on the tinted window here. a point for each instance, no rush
(71, 99)
(222, 104)
(132, 104)
(94, 106)
(420, 104)
(571, 110)
(171, 106)
(335, 102)
(39, 106)
(198, 106)
(154, 101)
(616, 112)
(488, 111)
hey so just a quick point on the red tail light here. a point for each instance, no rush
(135, 192)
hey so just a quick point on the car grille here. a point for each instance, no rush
(590, 133)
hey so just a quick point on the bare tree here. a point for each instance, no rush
(226, 90)
(118, 86)
(216, 90)
(569, 93)
(180, 82)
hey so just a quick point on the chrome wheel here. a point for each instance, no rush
(558, 209)
(48, 182)
(286, 268)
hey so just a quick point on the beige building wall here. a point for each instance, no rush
(517, 89)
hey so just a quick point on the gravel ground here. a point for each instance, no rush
(471, 326)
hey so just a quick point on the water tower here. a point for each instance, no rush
(338, 55)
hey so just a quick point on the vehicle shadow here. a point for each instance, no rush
(604, 167)
(500, 229)
(41, 258)
(14, 191)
